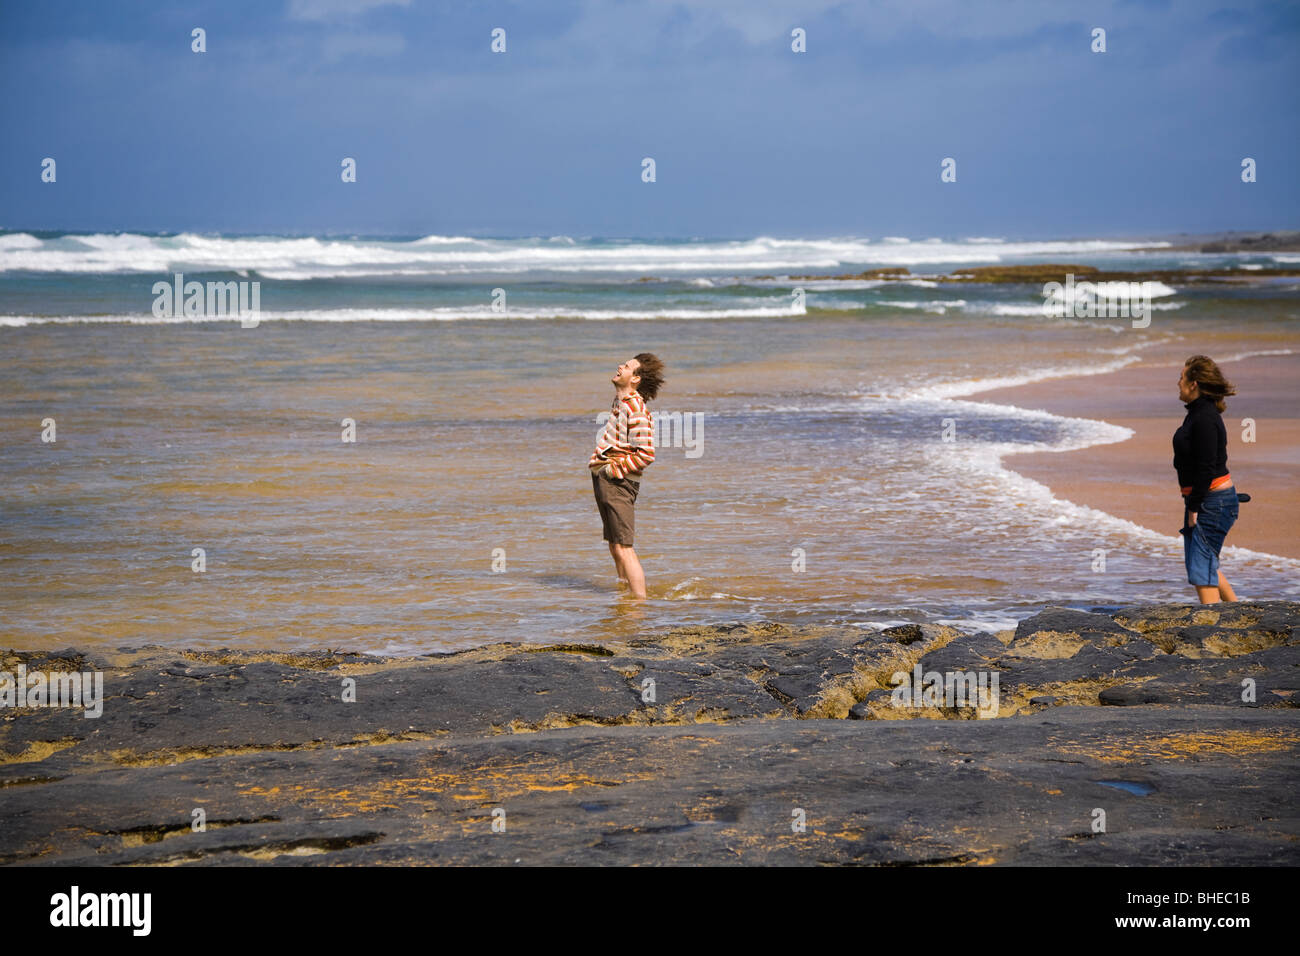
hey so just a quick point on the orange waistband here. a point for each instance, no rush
(1215, 485)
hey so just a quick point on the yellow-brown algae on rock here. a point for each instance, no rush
(1187, 746)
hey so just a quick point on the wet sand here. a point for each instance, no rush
(1135, 479)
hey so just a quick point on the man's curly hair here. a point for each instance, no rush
(652, 375)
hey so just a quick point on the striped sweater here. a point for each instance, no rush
(627, 444)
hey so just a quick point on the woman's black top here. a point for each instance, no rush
(1200, 449)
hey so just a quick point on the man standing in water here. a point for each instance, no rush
(625, 448)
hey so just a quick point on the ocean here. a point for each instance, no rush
(837, 468)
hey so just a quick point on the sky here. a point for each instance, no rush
(748, 137)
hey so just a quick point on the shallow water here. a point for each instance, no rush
(823, 446)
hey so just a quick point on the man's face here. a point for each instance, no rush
(626, 372)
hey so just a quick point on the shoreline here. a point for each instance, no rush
(1134, 479)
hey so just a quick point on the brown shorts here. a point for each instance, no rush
(615, 498)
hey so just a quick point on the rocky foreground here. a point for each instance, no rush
(1151, 735)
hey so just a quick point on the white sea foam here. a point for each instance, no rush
(980, 463)
(445, 314)
(18, 240)
(974, 625)
(1107, 291)
(1009, 308)
(973, 386)
(937, 306)
(1256, 354)
(967, 625)
(452, 240)
(985, 459)
(684, 590)
(288, 258)
(829, 285)
(1066, 300)
(1120, 291)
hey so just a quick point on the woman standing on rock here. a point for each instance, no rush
(1201, 460)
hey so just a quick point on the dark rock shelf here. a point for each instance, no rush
(1143, 714)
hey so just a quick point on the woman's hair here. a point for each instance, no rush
(1202, 370)
(652, 375)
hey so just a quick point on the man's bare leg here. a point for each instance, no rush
(631, 567)
(618, 562)
(1207, 595)
(1225, 589)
